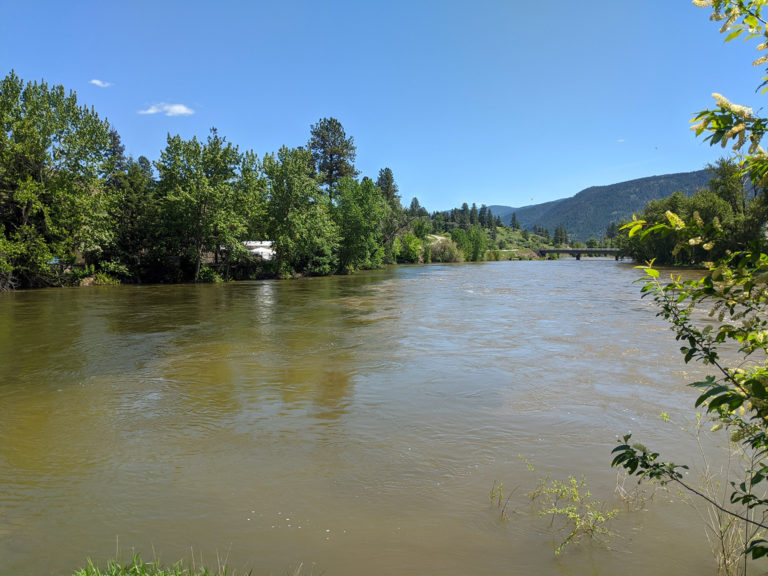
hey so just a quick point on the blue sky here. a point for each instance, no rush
(489, 101)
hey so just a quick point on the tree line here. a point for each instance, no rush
(730, 211)
(73, 205)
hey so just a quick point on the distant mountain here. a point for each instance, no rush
(591, 211)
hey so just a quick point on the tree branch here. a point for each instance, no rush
(718, 506)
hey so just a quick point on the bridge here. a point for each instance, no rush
(578, 252)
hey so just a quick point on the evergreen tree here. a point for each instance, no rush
(333, 153)
(415, 209)
(438, 222)
(462, 217)
(473, 217)
(561, 236)
(386, 183)
(482, 216)
(491, 225)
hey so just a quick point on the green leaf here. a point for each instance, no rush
(757, 548)
(731, 401)
(710, 393)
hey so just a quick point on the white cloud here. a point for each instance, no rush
(100, 83)
(620, 140)
(168, 109)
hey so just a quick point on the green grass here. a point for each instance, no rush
(137, 567)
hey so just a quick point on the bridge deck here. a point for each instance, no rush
(578, 252)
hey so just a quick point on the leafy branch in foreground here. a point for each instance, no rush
(734, 293)
(734, 123)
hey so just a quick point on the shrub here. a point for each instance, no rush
(208, 275)
(446, 251)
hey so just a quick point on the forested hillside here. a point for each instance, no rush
(588, 213)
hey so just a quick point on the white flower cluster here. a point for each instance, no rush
(738, 131)
(743, 112)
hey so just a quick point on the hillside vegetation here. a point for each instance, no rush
(588, 213)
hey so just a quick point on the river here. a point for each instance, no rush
(348, 424)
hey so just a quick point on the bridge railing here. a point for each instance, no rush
(579, 252)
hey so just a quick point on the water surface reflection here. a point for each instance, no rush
(352, 423)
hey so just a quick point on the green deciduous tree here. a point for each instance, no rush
(728, 182)
(395, 218)
(472, 243)
(53, 159)
(359, 214)
(460, 237)
(134, 212)
(421, 227)
(205, 206)
(478, 240)
(409, 250)
(716, 205)
(306, 239)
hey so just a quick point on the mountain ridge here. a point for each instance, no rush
(589, 212)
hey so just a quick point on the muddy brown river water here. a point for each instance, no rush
(355, 425)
